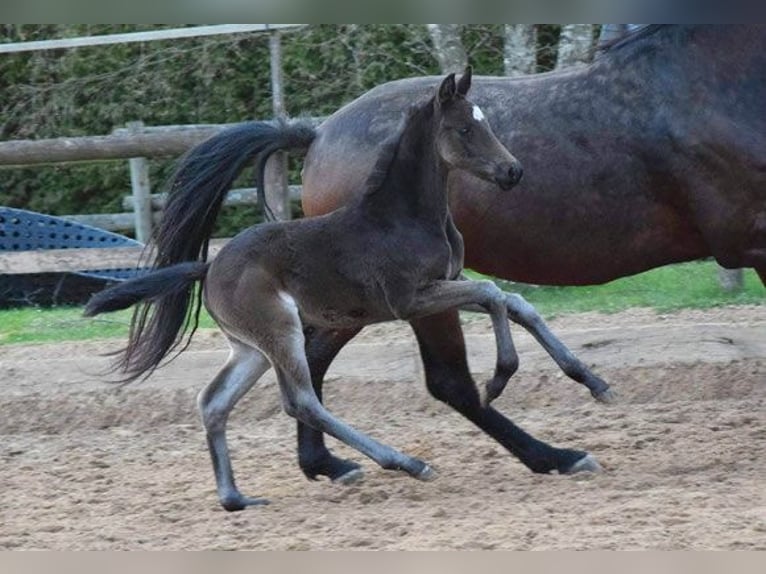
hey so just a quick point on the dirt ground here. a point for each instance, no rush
(89, 465)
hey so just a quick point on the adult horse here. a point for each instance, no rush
(653, 154)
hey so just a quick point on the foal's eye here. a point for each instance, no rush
(464, 131)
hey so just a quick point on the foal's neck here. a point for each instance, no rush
(415, 181)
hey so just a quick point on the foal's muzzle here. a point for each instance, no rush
(507, 177)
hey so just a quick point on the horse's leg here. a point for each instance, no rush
(521, 312)
(322, 346)
(278, 333)
(761, 274)
(243, 368)
(442, 349)
(443, 295)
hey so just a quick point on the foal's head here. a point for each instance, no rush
(464, 139)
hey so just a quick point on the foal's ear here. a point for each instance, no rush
(447, 90)
(464, 83)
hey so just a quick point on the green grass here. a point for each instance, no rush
(688, 285)
(669, 288)
(35, 325)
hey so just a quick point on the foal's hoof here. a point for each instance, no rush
(350, 477)
(585, 464)
(426, 473)
(606, 396)
(239, 502)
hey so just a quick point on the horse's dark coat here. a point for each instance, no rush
(654, 154)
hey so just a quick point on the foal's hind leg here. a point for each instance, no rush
(285, 348)
(322, 345)
(243, 368)
(521, 312)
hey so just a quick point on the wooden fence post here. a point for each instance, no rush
(139, 182)
(275, 176)
(731, 280)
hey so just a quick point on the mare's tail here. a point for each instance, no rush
(167, 293)
(206, 173)
(165, 310)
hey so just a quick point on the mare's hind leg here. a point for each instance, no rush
(761, 270)
(243, 368)
(521, 312)
(322, 346)
(442, 349)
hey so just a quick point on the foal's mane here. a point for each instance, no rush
(390, 147)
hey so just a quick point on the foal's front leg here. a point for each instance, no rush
(443, 295)
(521, 312)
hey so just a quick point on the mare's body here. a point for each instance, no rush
(653, 154)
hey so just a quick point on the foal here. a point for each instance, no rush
(392, 254)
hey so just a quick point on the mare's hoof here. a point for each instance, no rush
(234, 503)
(607, 396)
(585, 464)
(349, 477)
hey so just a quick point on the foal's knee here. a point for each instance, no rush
(520, 310)
(509, 367)
(491, 293)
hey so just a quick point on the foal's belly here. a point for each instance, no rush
(341, 316)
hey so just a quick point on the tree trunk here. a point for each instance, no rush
(519, 49)
(448, 46)
(613, 31)
(575, 45)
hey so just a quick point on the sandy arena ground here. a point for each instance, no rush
(88, 465)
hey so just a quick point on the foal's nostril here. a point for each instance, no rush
(508, 174)
(516, 173)
(511, 177)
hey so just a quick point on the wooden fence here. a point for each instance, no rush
(136, 142)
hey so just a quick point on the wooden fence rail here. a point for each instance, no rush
(122, 222)
(141, 143)
(60, 260)
(134, 143)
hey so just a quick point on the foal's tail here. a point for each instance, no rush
(165, 310)
(167, 293)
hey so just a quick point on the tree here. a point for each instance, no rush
(450, 52)
(575, 45)
(519, 49)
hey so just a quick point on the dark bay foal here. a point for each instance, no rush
(290, 294)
